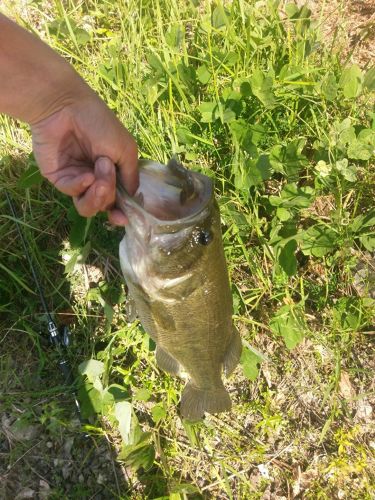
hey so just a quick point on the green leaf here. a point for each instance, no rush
(79, 227)
(90, 399)
(323, 169)
(291, 10)
(250, 362)
(363, 221)
(318, 240)
(287, 258)
(347, 171)
(92, 368)
(158, 413)
(123, 413)
(203, 74)
(283, 214)
(259, 170)
(369, 79)
(347, 313)
(358, 150)
(118, 392)
(30, 177)
(207, 110)
(289, 159)
(261, 87)
(368, 241)
(137, 456)
(293, 196)
(288, 322)
(219, 17)
(245, 89)
(351, 81)
(329, 87)
(142, 395)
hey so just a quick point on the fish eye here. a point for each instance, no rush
(204, 237)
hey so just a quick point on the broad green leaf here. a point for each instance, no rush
(245, 89)
(30, 177)
(259, 170)
(288, 322)
(347, 313)
(289, 159)
(367, 136)
(324, 169)
(261, 87)
(155, 63)
(139, 455)
(78, 256)
(368, 241)
(363, 221)
(203, 74)
(207, 110)
(123, 413)
(79, 227)
(369, 79)
(287, 258)
(118, 392)
(90, 399)
(228, 115)
(158, 413)
(142, 395)
(293, 196)
(329, 87)
(219, 17)
(318, 240)
(283, 214)
(291, 10)
(250, 362)
(92, 368)
(346, 170)
(351, 81)
(358, 150)
(175, 35)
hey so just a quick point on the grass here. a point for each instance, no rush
(259, 101)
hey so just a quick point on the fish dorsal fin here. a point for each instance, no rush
(185, 177)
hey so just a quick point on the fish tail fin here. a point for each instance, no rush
(166, 362)
(195, 401)
(233, 354)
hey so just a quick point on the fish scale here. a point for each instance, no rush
(173, 262)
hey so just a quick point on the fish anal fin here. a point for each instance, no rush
(233, 353)
(166, 362)
(195, 401)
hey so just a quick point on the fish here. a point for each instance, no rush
(173, 262)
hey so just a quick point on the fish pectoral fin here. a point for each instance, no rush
(233, 354)
(195, 401)
(166, 362)
(130, 310)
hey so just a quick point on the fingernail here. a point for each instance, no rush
(104, 166)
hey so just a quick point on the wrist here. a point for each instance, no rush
(62, 89)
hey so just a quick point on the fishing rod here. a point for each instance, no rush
(59, 339)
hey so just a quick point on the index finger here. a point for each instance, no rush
(128, 166)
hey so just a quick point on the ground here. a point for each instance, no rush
(277, 108)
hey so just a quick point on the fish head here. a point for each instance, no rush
(171, 216)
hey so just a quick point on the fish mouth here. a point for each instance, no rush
(167, 194)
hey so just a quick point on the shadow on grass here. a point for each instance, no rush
(45, 452)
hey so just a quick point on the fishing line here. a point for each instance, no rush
(60, 340)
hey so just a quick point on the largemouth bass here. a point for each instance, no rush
(173, 262)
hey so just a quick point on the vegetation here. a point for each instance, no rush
(253, 96)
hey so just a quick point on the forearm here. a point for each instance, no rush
(35, 82)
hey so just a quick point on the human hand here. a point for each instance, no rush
(77, 149)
